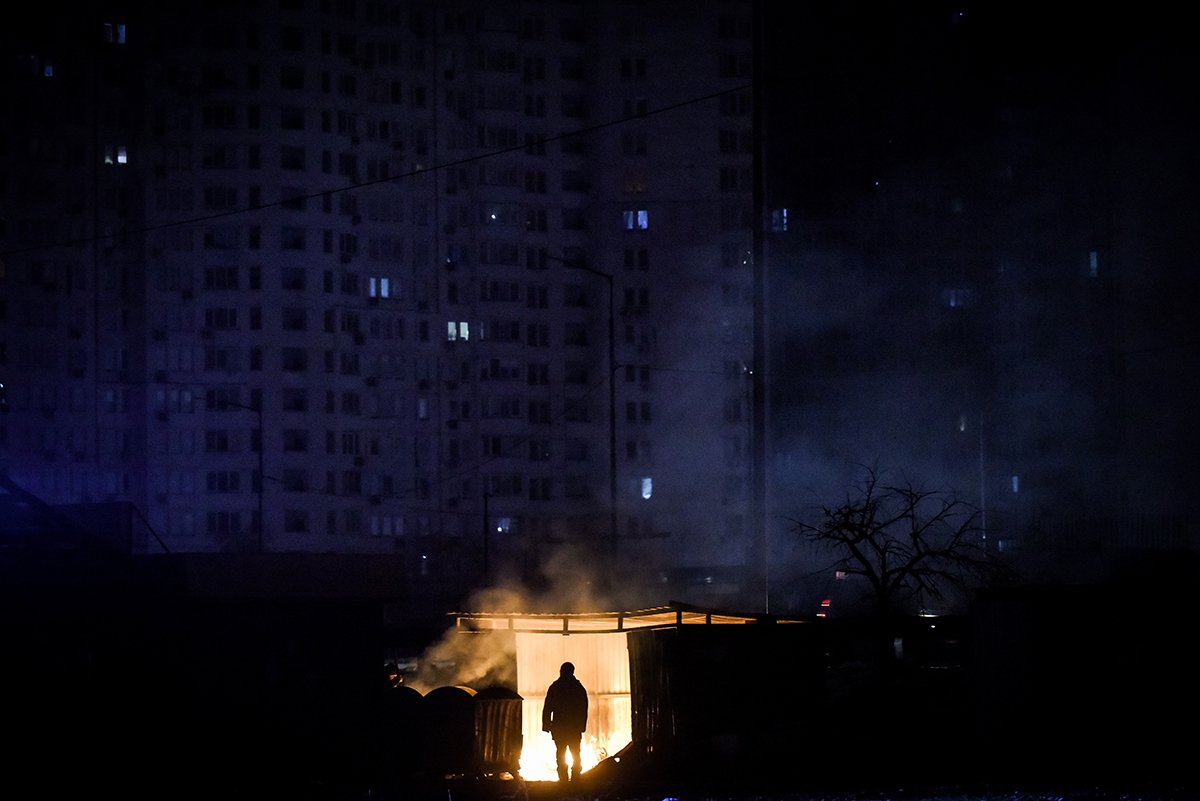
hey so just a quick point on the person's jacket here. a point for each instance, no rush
(566, 707)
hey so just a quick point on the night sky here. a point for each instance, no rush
(867, 87)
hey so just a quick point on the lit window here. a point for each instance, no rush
(957, 298)
(1093, 264)
(647, 487)
(1016, 483)
(779, 220)
(122, 155)
(114, 32)
(636, 219)
(456, 330)
(378, 287)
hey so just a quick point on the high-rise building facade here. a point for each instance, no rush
(468, 282)
(989, 273)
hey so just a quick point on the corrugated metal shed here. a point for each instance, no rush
(658, 678)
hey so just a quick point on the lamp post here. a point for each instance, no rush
(487, 522)
(612, 402)
(261, 478)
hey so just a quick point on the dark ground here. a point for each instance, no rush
(586, 791)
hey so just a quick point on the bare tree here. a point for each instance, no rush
(906, 543)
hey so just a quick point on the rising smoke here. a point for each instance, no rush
(479, 659)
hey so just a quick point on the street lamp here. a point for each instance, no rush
(258, 411)
(487, 523)
(612, 400)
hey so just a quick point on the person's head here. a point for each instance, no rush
(567, 669)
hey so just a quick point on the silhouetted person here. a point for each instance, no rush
(565, 716)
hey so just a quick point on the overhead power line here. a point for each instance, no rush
(375, 182)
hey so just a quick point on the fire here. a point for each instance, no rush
(602, 663)
(537, 758)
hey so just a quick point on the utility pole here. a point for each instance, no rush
(758, 382)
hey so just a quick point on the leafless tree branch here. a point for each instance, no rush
(904, 541)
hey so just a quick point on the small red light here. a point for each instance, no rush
(826, 602)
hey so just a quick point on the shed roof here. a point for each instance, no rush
(668, 616)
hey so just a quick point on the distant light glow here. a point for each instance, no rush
(378, 287)
(957, 298)
(647, 487)
(779, 219)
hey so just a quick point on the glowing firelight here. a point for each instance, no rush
(602, 664)
(537, 758)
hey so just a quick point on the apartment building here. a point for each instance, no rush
(467, 282)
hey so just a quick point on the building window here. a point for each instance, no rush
(114, 32)
(633, 69)
(291, 157)
(636, 107)
(378, 287)
(222, 481)
(294, 319)
(223, 523)
(116, 154)
(637, 259)
(576, 449)
(216, 441)
(294, 360)
(224, 319)
(956, 298)
(633, 144)
(292, 238)
(779, 220)
(636, 219)
(575, 334)
(575, 373)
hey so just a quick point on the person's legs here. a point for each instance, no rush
(560, 758)
(576, 763)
